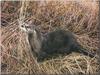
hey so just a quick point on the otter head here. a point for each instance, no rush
(27, 28)
(33, 36)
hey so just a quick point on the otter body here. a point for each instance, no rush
(56, 42)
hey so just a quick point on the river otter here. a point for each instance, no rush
(58, 41)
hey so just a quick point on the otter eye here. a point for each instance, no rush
(27, 26)
(22, 26)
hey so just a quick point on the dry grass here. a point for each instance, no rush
(47, 16)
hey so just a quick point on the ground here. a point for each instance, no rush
(81, 18)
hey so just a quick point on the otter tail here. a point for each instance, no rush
(87, 53)
(84, 51)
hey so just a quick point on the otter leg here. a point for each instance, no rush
(41, 56)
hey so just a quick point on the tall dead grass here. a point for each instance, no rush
(47, 16)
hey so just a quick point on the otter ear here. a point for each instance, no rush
(36, 30)
(33, 28)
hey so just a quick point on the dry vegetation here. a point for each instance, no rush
(80, 18)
